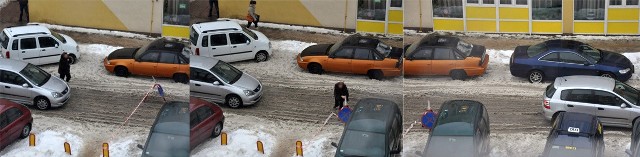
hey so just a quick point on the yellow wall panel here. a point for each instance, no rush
(623, 14)
(395, 15)
(448, 25)
(514, 13)
(588, 28)
(546, 27)
(175, 31)
(395, 28)
(481, 12)
(514, 26)
(622, 28)
(481, 26)
(280, 11)
(88, 13)
(369, 26)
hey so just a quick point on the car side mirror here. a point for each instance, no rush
(216, 83)
(334, 144)
(25, 85)
(248, 42)
(623, 105)
(57, 45)
(140, 146)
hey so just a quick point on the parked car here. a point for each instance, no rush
(355, 54)
(374, 129)
(575, 135)
(169, 135)
(15, 122)
(25, 83)
(557, 58)
(217, 81)
(36, 45)
(445, 55)
(207, 121)
(613, 102)
(634, 147)
(160, 58)
(229, 42)
(461, 130)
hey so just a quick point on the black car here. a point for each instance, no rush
(575, 135)
(169, 135)
(461, 130)
(373, 130)
(634, 149)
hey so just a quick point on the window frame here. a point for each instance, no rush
(35, 42)
(52, 38)
(248, 40)
(353, 49)
(622, 5)
(562, 61)
(147, 53)
(226, 39)
(452, 56)
(371, 57)
(175, 57)
(514, 3)
(481, 3)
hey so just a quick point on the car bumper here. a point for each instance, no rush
(625, 77)
(479, 71)
(547, 113)
(251, 100)
(59, 102)
(301, 64)
(107, 66)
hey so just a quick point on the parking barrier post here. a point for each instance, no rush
(32, 140)
(223, 138)
(67, 148)
(299, 148)
(260, 147)
(105, 149)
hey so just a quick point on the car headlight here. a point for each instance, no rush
(56, 94)
(249, 93)
(624, 71)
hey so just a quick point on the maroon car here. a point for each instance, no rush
(206, 121)
(15, 122)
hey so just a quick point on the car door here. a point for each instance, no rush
(549, 65)
(167, 64)
(14, 90)
(204, 128)
(443, 61)
(4, 130)
(147, 64)
(363, 60)
(217, 46)
(14, 127)
(609, 110)
(574, 64)
(201, 85)
(340, 61)
(29, 51)
(241, 47)
(49, 50)
(577, 100)
(194, 122)
(419, 62)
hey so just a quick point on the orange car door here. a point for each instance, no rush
(340, 61)
(443, 61)
(419, 62)
(363, 60)
(146, 65)
(167, 64)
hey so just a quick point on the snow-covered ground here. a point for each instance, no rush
(93, 31)
(85, 139)
(527, 36)
(3, 3)
(292, 27)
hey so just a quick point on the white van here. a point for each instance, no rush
(229, 42)
(36, 45)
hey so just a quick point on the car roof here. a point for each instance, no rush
(575, 119)
(375, 108)
(560, 44)
(195, 103)
(166, 45)
(361, 41)
(584, 82)
(26, 30)
(12, 65)
(202, 62)
(216, 26)
(460, 111)
(439, 40)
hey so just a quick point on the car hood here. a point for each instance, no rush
(316, 50)
(614, 59)
(55, 84)
(123, 53)
(449, 146)
(247, 82)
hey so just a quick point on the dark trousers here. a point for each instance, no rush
(214, 3)
(255, 21)
(66, 76)
(339, 102)
(24, 8)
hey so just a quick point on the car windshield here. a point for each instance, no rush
(4, 40)
(193, 36)
(167, 145)
(226, 72)
(59, 37)
(384, 48)
(35, 74)
(358, 143)
(250, 33)
(337, 45)
(627, 92)
(593, 53)
(414, 46)
(536, 49)
(464, 47)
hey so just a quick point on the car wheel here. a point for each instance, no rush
(261, 56)
(121, 71)
(458, 75)
(42, 103)
(26, 130)
(74, 59)
(609, 75)
(536, 76)
(217, 130)
(315, 68)
(180, 78)
(375, 74)
(234, 101)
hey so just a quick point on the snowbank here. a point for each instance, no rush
(318, 147)
(527, 36)
(48, 143)
(94, 31)
(241, 142)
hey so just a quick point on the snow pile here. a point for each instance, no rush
(94, 31)
(240, 142)
(99, 49)
(48, 143)
(317, 147)
(125, 146)
(634, 57)
(292, 27)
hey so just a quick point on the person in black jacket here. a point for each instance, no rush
(64, 67)
(214, 3)
(24, 8)
(340, 94)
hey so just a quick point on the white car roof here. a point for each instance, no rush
(12, 65)
(29, 29)
(216, 25)
(585, 82)
(202, 62)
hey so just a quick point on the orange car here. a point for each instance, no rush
(355, 54)
(445, 55)
(160, 58)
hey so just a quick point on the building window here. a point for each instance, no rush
(615, 2)
(396, 3)
(472, 1)
(176, 12)
(505, 1)
(546, 10)
(517, 2)
(623, 2)
(372, 10)
(632, 2)
(447, 8)
(589, 10)
(487, 2)
(521, 2)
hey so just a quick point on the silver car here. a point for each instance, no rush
(613, 102)
(217, 81)
(27, 84)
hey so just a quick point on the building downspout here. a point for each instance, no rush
(346, 5)
(151, 23)
(420, 15)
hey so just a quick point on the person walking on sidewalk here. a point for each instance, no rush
(24, 8)
(214, 3)
(64, 67)
(252, 17)
(340, 94)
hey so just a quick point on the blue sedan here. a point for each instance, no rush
(557, 58)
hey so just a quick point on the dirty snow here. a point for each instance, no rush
(3, 3)
(94, 31)
(241, 142)
(292, 27)
(527, 36)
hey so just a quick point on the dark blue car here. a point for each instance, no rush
(556, 58)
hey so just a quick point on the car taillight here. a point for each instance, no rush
(197, 51)
(7, 55)
(546, 105)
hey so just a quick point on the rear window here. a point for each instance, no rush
(59, 37)
(550, 91)
(536, 49)
(193, 36)
(4, 40)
